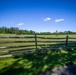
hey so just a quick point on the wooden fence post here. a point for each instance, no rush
(66, 41)
(36, 42)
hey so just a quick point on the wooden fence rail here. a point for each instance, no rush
(35, 42)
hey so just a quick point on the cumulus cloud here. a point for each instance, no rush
(46, 19)
(20, 24)
(59, 20)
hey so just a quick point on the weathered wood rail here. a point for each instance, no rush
(34, 43)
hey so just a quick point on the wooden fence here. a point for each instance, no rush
(35, 43)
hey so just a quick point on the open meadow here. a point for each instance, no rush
(48, 51)
(37, 37)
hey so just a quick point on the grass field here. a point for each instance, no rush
(32, 64)
(26, 43)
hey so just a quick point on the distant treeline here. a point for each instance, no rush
(17, 31)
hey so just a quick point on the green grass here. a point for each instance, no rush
(32, 64)
(46, 44)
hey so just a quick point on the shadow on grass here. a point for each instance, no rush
(32, 64)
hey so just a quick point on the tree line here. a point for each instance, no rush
(17, 31)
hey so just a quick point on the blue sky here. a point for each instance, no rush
(39, 15)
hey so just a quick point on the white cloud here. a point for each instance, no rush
(20, 24)
(59, 20)
(46, 19)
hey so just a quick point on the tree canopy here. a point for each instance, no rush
(16, 30)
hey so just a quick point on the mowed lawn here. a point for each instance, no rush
(32, 64)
